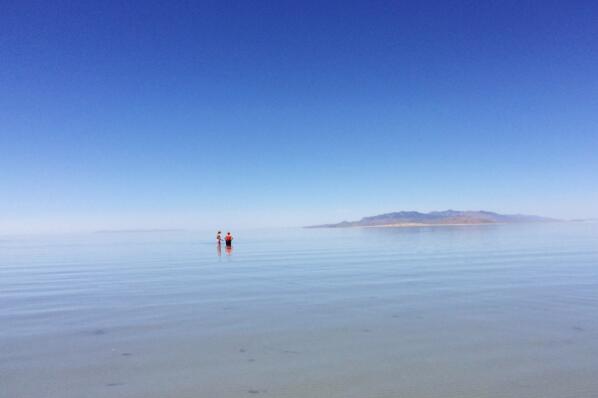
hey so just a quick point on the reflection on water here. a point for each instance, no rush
(228, 249)
(485, 311)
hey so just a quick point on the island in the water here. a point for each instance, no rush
(434, 218)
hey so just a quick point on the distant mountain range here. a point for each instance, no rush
(447, 217)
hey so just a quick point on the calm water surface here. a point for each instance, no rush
(457, 312)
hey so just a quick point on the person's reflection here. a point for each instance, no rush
(229, 250)
(219, 249)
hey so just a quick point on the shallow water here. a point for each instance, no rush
(458, 312)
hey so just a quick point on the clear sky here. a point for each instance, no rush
(276, 113)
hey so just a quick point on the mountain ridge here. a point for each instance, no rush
(446, 217)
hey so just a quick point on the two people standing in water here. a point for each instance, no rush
(228, 240)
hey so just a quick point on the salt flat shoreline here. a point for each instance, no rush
(411, 225)
(414, 225)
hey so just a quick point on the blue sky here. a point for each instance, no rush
(208, 114)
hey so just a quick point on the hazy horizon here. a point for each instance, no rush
(222, 115)
(199, 227)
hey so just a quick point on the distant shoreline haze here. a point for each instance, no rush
(438, 218)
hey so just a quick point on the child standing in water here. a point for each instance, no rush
(228, 239)
(218, 237)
